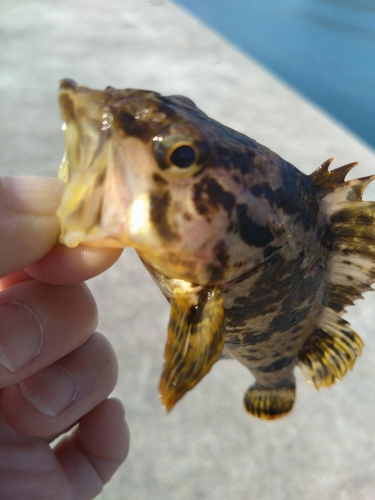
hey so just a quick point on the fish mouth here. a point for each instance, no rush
(86, 124)
(105, 202)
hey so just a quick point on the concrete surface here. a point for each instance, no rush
(208, 447)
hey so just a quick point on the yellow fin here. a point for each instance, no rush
(330, 352)
(196, 335)
(270, 403)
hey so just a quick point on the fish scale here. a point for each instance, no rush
(257, 260)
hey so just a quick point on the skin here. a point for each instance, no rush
(45, 280)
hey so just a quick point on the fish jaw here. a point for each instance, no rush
(84, 166)
(105, 202)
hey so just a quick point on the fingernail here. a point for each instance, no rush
(50, 390)
(31, 194)
(21, 336)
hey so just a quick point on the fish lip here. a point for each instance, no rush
(68, 84)
(72, 133)
(82, 112)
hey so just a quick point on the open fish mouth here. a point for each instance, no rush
(87, 131)
(102, 204)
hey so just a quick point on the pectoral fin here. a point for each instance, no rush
(196, 335)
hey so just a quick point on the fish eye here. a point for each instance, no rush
(179, 155)
(182, 156)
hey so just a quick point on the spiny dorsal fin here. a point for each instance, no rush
(196, 335)
(332, 349)
(352, 221)
(328, 180)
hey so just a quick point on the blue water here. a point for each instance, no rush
(323, 48)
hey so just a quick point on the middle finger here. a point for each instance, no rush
(41, 323)
(56, 397)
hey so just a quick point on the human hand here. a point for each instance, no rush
(54, 371)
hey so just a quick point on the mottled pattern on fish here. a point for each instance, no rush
(257, 259)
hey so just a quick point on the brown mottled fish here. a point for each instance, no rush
(257, 260)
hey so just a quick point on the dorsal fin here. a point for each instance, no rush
(328, 180)
(334, 346)
(352, 222)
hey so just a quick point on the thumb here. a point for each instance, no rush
(28, 225)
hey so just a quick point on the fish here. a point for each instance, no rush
(257, 260)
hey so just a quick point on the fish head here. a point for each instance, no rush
(157, 174)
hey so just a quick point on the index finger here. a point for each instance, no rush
(29, 232)
(64, 266)
(28, 225)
